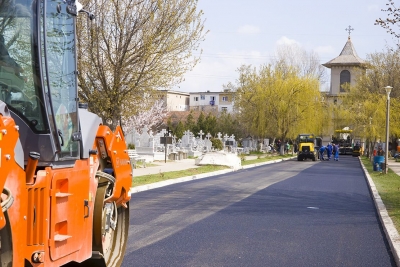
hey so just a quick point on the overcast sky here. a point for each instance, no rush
(248, 32)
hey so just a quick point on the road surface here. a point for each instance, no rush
(284, 214)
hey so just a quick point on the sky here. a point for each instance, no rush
(248, 32)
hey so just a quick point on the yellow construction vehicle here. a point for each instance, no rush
(306, 147)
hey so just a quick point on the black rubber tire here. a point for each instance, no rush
(113, 255)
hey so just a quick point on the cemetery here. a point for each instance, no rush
(161, 146)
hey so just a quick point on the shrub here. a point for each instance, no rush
(131, 146)
(217, 143)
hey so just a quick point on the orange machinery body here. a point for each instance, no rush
(51, 218)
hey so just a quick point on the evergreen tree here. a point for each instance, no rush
(210, 124)
(200, 124)
(179, 130)
(190, 123)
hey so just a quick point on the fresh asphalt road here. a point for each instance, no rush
(283, 214)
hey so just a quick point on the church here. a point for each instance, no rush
(345, 70)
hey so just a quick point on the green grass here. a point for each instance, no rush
(388, 186)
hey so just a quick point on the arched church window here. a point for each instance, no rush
(344, 78)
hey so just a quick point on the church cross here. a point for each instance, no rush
(349, 29)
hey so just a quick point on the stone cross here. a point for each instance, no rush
(201, 134)
(232, 137)
(219, 135)
(226, 137)
(208, 136)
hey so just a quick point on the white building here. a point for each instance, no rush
(174, 100)
(212, 101)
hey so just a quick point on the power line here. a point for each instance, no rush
(251, 57)
(298, 34)
(210, 76)
(238, 56)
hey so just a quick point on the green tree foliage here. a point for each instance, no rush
(200, 125)
(132, 48)
(227, 123)
(190, 123)
(386, 68)
(224, 122)
(210, 124)
(277, 102)
(217, 143)
(366, 102)
(179, 130)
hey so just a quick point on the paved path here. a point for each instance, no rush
(226, 220)
(160, 167)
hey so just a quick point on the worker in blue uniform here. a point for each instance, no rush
(321, 152)
(329, 149)
(336, 152)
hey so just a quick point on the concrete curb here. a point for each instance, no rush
(146, 187)
(390, 230)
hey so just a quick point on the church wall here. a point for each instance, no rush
(335, 78)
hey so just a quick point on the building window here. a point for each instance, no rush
(196, 98)
(202, 97)
(344, 79)
(224, 98)
(212, 100)
(224, 109)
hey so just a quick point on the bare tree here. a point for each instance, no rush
(132, 48)
(307, 64)
(391, 21)
(383, 69)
